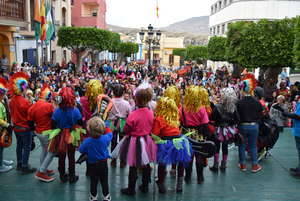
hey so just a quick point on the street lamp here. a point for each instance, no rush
(152, 39)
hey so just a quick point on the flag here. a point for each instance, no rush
(37, 19)
(43, 21)
(49, 20)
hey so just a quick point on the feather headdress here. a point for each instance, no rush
(248, 83)
(18, 83)
(3, 86)
(45, 93)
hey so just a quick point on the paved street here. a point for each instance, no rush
(272, 183)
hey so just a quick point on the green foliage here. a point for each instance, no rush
(197, 53)
(296, 49)
(115, 43)
(128, 48)
(79, 39)
(180, 52)
(262, 44)
(216, 48)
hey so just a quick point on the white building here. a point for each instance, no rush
(224, 12)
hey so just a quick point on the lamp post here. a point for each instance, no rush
(152, 39)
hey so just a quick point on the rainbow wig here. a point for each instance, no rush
(173, 93)
(93, 89)
(45, 93)
(18, 83)
(168, 110)
(248, 83)
(3, 86)
(191, 100)
(67, 97)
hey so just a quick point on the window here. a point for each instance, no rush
(32, 14)
(225, 3)
(212, 10)
(171, 59)
(210, 31)
(216, 7)
(64, 17)
(223, 29)
(214, 31)
(218, 30)
(220, 4)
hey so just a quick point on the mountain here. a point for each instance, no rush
(194, 25)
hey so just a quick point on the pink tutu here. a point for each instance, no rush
(226, 133)
(136, 151)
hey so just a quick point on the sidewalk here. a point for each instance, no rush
(272, 183)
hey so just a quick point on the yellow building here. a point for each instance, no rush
(164, 54)
(12, 15)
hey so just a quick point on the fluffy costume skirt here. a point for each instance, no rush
(136, 151)
(174, 151)
(226, 134)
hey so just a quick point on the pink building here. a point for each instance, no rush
(89, 13)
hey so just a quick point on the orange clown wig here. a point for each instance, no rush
(18, 83)
(45, 93)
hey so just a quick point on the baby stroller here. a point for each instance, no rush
(267, 138)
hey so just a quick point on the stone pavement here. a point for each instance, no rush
(272, 183)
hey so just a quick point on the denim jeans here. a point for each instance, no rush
(250, 134)
(297, 140)
(24, 140)
(1, 156)
(45, 157)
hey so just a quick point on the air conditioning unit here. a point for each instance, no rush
(94, 13)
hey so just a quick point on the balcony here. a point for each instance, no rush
(13, 12)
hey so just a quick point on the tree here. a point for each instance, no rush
(297, 44)
(126, 49)
(181, 52)
(80, 40)
(197, 53)
(265, 44)
(115, 43)
(216, 48)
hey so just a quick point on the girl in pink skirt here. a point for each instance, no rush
(137, 148)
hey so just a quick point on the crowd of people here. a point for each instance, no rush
(145, 116)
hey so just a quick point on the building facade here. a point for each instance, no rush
(13, 15)
(26, 43)
(89, 13)
(224, 12)
(163, 54)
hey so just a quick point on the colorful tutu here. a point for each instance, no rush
(174, 151)
(136, 151)
(226, 133)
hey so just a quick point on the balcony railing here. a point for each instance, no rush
(13, 10)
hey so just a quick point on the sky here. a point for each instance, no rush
(140, 13)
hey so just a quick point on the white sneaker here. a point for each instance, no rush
(93, 198)
(5, 168)
(107, 198)
(8, 162)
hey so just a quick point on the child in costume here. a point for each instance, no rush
(137, 148)
(226, 118)
(193, 116)
(173, 93)
(67, 120)
(117, 117)
(40, 115)
(5, 165)
(173, 148)
(96, 148)
(19, 107)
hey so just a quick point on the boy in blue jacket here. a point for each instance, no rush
(96, 149)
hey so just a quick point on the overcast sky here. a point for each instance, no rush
(139, 13)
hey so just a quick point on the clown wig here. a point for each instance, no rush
(93, 89)
(173, 93)
(203, 97)
(191, 100)
(3, 86)
(18, 83)
(228, 99)
(67, 97)
(248, 83)
(45, 93)
(168, 110)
